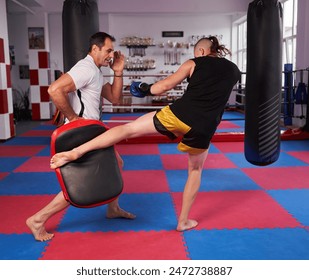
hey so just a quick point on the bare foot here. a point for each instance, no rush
(38, 230)
(63, 158)
(117, 212)
(189, 224)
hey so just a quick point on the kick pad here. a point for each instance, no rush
(95, 178)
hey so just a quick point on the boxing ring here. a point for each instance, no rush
(263, 97)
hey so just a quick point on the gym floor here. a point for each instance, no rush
(245, 212)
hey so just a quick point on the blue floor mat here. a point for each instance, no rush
(256, 244)
(295, 201)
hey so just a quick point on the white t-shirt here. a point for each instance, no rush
(89, 80)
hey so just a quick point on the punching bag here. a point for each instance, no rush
(80, 20)
(263, 82)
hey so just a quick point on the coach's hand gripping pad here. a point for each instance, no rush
(95, 178)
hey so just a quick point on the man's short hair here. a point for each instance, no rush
(98, 39)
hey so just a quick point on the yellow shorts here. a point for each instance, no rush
(168, 124)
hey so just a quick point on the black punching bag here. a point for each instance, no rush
(263, 82)
(80, 20)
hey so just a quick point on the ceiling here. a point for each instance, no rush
(22, 6)
(133, 6)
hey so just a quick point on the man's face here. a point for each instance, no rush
(106, 54)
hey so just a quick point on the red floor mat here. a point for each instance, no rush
(145, 181)
(280, 178)
(180, 161)
(163, 245)
(16, 209)
(20, 151)
(237, 209)
(3, 174)
(232, 147)
(303, 155)
(141, 149)
(37, 133)
(227, 124)
(35, 164)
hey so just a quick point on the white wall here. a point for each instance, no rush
(147, 25)
(157, 6)
(123, 18)
(302, 46)
(302, 54)
(152, 25)
(18, 37)
(55, 39)
(4, 29)
(5, 123)
(173, 6)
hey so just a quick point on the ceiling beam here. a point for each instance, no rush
(23, 6)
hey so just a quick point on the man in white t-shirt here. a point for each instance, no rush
(86, 77)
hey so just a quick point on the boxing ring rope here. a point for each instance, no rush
(238, 106)
(158, 102)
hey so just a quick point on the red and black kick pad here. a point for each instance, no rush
(95, 178)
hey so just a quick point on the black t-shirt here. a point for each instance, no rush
(202, 105)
